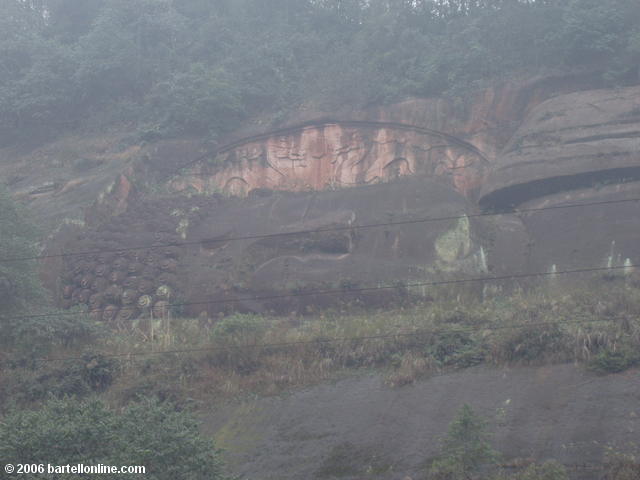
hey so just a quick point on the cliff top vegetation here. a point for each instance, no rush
(203, 67)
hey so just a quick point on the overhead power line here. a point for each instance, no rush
(350, 291)
(327, 122)
(415, 333)
(321, 230)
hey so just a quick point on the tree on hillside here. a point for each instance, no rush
(64, 61)
(25, 328)
(466, 448)
(467, 454)
(19, 285)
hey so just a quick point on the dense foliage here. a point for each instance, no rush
(18, 280)
(150, 434)
(203, 66)
(24, 328)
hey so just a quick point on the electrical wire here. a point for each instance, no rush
(350, 291)
(416, 333)
(321, 230)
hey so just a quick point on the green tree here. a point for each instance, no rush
(34, 72)
(63, 61)
(19, 286)
(466, 448)
(202, 100)
(150, 434)
(68, 20)
(132, 45)
(24, 329)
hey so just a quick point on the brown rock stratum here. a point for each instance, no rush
(545, 142)
(332, 155)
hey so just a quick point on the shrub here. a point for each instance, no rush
(19, 286)
(466, 448)
(150, 434)
(455, 348)
(240, 329)
(533, 343)
(614, 361)
(238, 337)
(78, 377)
(467, 454)
(621, 466)
(31, 339)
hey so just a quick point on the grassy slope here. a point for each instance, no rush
(596, 323)
(549, 324)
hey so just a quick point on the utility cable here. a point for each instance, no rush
(321, 230)
(416, 333)
(350, 291)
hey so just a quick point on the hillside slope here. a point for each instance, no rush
(359, 428)
(516, 147)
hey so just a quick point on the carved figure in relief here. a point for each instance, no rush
(334, 155)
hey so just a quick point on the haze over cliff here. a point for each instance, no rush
(403, 206)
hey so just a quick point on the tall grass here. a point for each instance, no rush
(596, 323)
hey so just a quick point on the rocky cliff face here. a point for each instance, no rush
(333, 155)
(577, 148)
(359, 428)
(581, 140)
(523, 146)
(429, 137)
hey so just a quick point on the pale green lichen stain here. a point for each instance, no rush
(74, 221)
(182, 228)
(628, 267)
(455, 243)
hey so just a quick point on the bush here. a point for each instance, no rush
(201, 100)
(240, 329)
(455, 348)
(19, 286)
(91, 373)
(466, 448)
(203, 73)
(237, 337)
(534, 343)
(614, 361)
(621, 466)
(25, 332)
(31, 338)
(150, 434)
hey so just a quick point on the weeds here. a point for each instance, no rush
(621, 465)
(243, 354)
(609, 361)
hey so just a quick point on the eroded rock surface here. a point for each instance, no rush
(331, 155)
(582, 140)
(333, 255)
(518, 146)
(361, 428)
(581, 148)
(206, 252)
